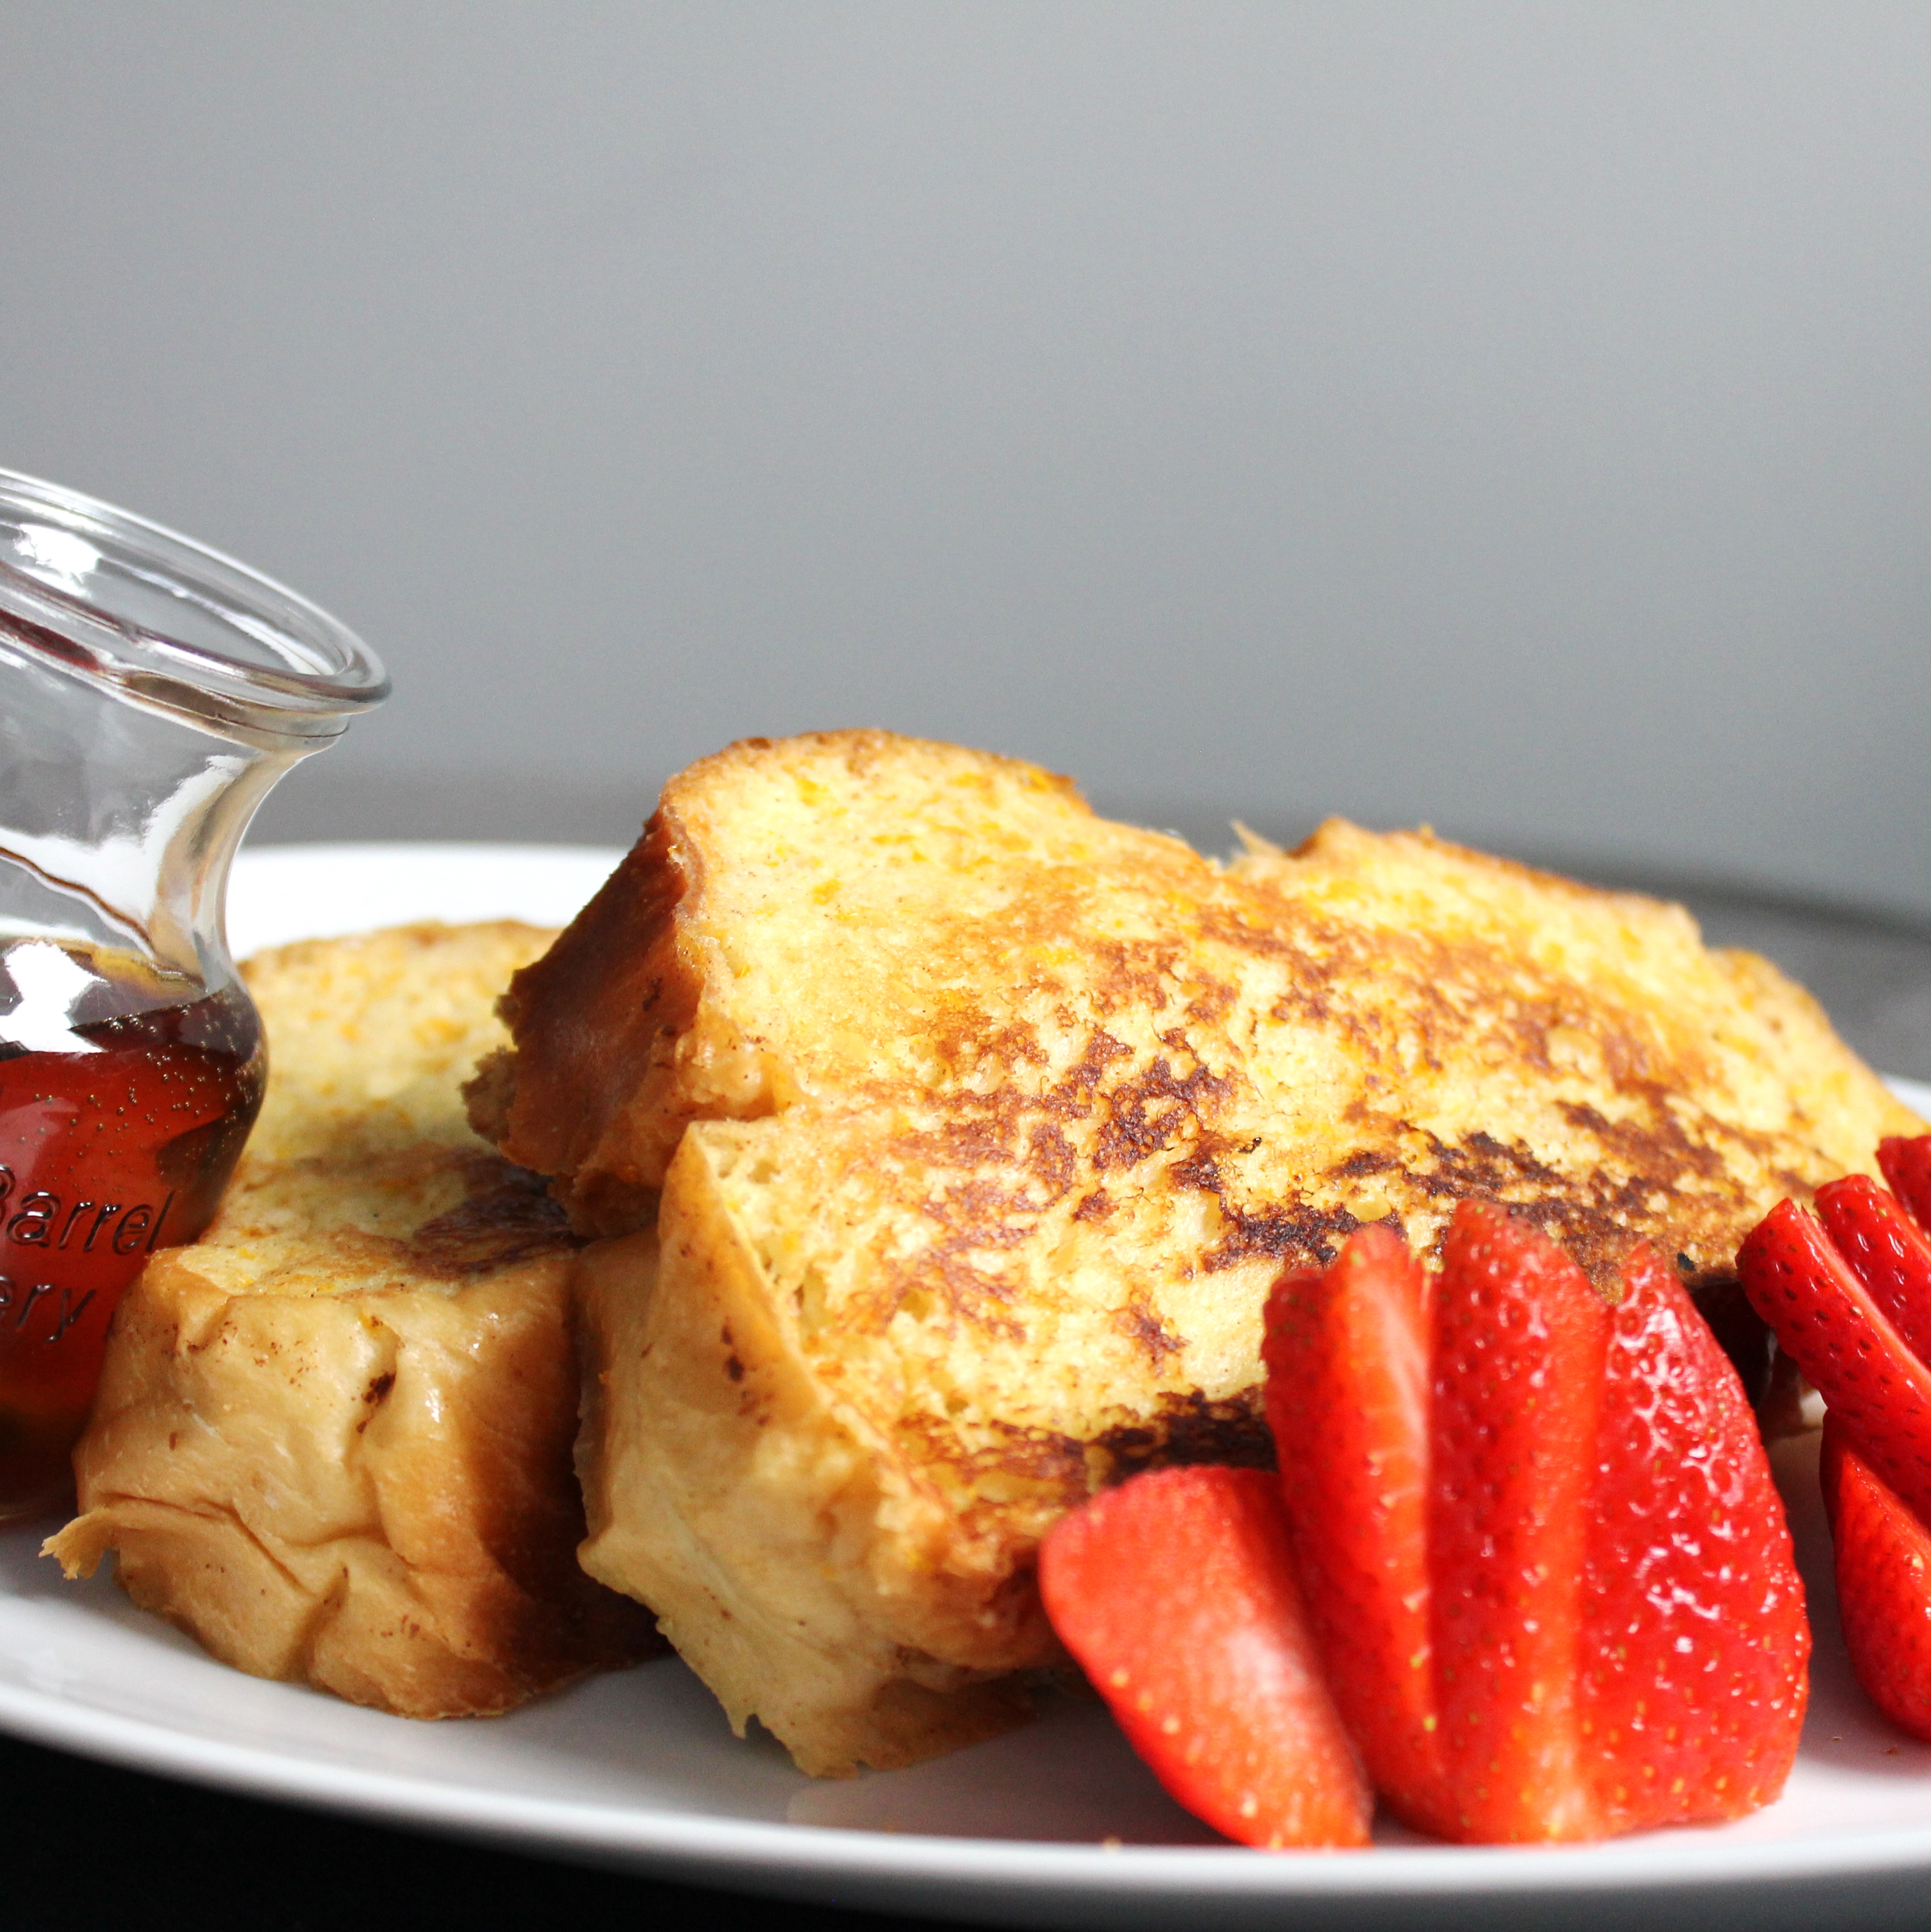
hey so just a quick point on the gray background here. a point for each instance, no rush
(1514, 417)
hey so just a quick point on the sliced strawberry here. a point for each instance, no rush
(1347, 1351)
(1553, 1587)
(1906, 1165)
(1887, 1251)
(1176, 1592)
(1853, 1305)
(1827, 1321)
(1884, 1584)
(1694, 1687)
(1519, 1342)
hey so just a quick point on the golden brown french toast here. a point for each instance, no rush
(373, 1035)
(333, 1437)
(982, 1125)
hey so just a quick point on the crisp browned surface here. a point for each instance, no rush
(333, 1441)
(855, 919)
(1004, 1117)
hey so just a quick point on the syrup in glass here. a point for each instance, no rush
(125, 1096)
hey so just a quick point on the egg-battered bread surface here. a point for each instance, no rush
(371, 1037)
(333, 1438)
(981, 1126)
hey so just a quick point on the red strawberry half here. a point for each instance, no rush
(1829, 1322)
(1884, 1584)
(1906, 1165)
(1887, 1251)
(1520, 1343)
(1176, 1592)
(1687, 1552)
(1348, 1394)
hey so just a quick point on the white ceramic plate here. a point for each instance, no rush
(1056, 1824)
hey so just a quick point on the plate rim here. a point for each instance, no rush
(699, 1843)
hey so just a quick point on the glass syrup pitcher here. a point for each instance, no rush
(151, 692)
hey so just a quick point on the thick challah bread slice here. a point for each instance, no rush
(981, 1126)
(333, 1437)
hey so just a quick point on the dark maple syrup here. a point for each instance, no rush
(123, 1106)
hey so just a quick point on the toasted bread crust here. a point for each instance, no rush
(609, 1001)
(621, 1038)
(1006, 1117)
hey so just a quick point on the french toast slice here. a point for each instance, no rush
(373, 1035)
(981, 1127)
(333, 1438)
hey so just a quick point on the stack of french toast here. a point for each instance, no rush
(893, 1153)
